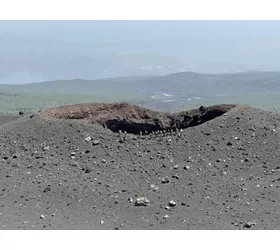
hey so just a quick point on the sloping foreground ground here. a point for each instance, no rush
(222, 174)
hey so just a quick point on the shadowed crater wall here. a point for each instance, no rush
(135, 119)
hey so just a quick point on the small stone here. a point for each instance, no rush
(172, 203)
(249, 224)
(47, 189)
(42, 216)
(87, 170)
(95, 142)
(142, 201)
(104, 161)
(121, 140)
(167, 208)
(102, 222)
(165, 180)
(166, 216)
(187, 167)
(130, 200)
(154, 187)
(88, 139)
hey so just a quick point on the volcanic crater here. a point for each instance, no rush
(61, 169)
(135, 119)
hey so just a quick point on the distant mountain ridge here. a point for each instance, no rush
(190, 89)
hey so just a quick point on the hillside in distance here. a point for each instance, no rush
(172, 92)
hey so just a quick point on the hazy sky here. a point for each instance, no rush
(245, 43)
(225, 41)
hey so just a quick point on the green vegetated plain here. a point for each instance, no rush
(257, 89)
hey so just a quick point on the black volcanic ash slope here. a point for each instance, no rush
(223, 174)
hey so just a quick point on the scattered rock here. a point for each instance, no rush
(172, 203)
(95, 142)
(47, 189)
(187, 167)
(142, 201)
(88, 170)
(165, 180)
(249, 224)
(88, 139)
(154, 187)
(121, 140)
(176, 167)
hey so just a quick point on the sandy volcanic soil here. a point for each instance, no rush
(222, 174)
